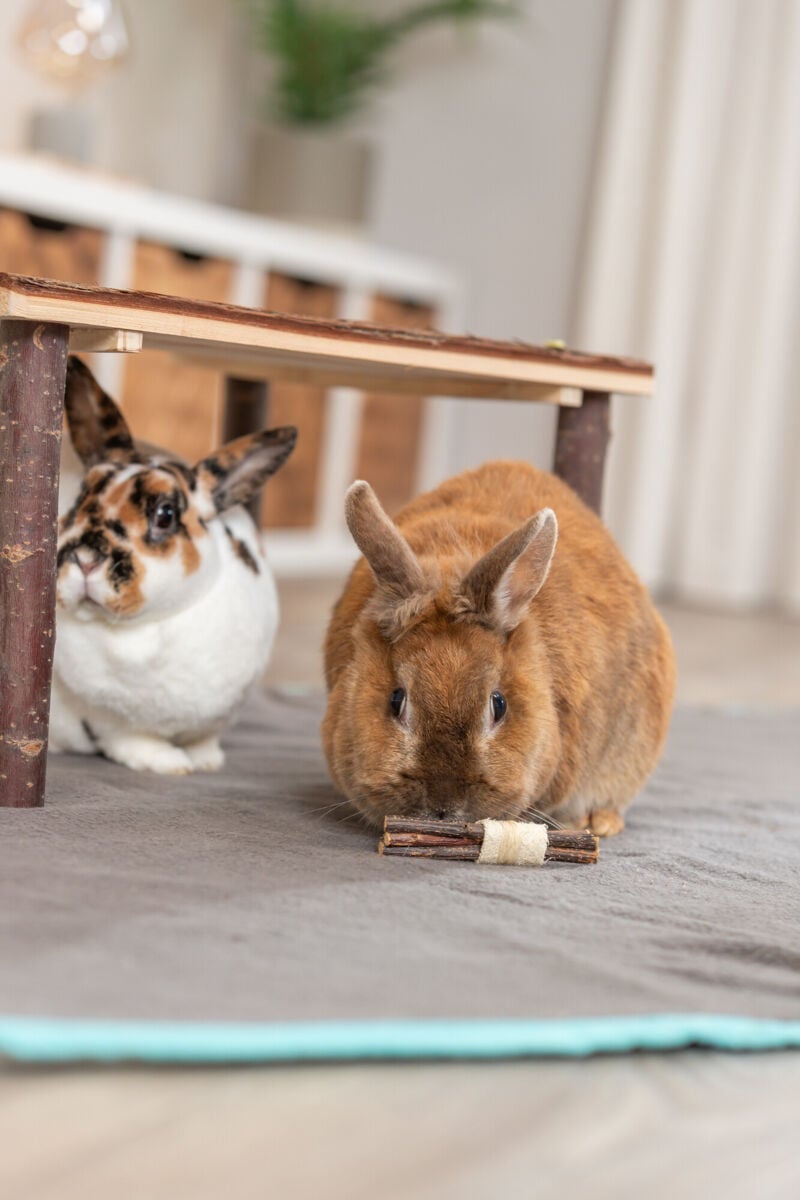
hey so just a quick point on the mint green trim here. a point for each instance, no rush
(51, 1040)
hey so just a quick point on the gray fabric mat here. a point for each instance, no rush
(234, 897)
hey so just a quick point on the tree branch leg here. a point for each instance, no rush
(581, 444)
(33, 363)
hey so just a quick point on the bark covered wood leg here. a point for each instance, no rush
(33, 364)
(246, 410)
(581, 443)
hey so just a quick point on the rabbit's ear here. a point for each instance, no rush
(97, 427)
(502, 584)
(392, 560)
(235, 472)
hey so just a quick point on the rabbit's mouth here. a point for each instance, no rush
(89, 601)
(83, 597)
(99, 593)
(437, 799)
(88, 609)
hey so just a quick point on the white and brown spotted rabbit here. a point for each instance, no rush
(477, 670)
(166, 605)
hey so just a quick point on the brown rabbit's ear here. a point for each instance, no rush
(235, 473)
(392, 560)
(97, 427)
(502, 584)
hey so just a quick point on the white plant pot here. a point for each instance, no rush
(319, 178)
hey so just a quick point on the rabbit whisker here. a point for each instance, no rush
(326, 809)
(544, 817)
(351, 817)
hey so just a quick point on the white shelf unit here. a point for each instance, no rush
(126, 213)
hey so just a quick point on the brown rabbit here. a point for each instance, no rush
(476, 671)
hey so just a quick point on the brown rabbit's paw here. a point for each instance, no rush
(606, 822)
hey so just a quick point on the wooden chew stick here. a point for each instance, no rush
(465, 853)
(410, 837)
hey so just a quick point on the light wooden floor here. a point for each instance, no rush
(695, 1125)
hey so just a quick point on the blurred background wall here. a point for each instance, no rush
(693, 259)
(622, 174)
(171, 115)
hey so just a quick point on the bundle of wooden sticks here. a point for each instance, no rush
(410, 837)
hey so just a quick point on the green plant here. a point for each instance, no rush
(329, 56)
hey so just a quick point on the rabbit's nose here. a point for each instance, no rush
(445, 797)
(86, 559)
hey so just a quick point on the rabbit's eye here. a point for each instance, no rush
(499, 706)
(397, 702)
(164, 516)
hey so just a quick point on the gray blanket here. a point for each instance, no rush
(238, 897)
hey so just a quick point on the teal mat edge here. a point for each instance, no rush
(50, 1040)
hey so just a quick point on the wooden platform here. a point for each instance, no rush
(41, 320)
(256, 344)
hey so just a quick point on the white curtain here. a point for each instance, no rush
(692, 259)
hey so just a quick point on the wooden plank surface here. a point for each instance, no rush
(430, 359)
(91, 341)
(313, 371)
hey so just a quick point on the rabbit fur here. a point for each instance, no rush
(166, 605)
(499, 583)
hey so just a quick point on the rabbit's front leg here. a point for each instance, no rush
(605, 822)
(144, 752)
(206, 754)
(579, 812)
(69, 729)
